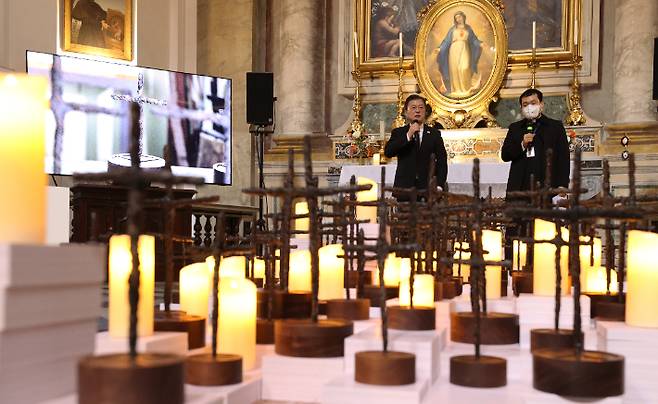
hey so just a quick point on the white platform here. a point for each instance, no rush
(159, 342)
(297, 379)
(502, 305)
(426, 345)
(246, 392)
(344, 390)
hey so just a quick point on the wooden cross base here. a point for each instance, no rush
(411, 319)
(353, 277)
(611, 311)
(373, 293)
(483, 371)
(209, 370)
(438, 291)
(591, 374)
(551, 338)
(522, 282)
(452, 288)
(496, 328)
(307, 339)
(264, 331)
(596, 299)
(353, 309)
(285, 304)
(385, 368)
(194, 326)
(118, 378)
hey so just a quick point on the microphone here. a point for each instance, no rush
(416, 133)
(530, 128)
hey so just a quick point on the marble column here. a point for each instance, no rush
(300, 62)
(636, 26)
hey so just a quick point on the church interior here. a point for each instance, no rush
(328, 201)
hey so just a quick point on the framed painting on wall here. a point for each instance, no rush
(98, 27)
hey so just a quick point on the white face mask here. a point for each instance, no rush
(531, 111)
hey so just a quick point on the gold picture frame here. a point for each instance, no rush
(461, 60)
(98, 27)
(549, 51)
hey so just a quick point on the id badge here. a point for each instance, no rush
(530, 152)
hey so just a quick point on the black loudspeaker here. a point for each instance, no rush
(655, 68)
(260, 98)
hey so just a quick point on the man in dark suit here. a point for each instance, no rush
(413, 145)
(527, 141)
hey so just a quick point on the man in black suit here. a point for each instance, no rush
(527, 141)
(413, 145)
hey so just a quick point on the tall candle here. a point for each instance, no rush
(543, 278)
(423, 291)
(575, 32)
(356, 50)
(465, 255)
(597, 281)
(194, 288)
(492, 243)
(236, 324)
(229, 267)
(299, 276)
(301, 208)
(642, 279)
(23, 102)
(367, 212)
(332, 277)
(120, 267)
(585, 254)
(392, 270)
(400, 43)
(534, 35)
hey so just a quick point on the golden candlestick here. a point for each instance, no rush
(357, 129)
(533, 64)
(399, 119)
(576, 115)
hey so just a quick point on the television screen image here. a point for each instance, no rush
(88, 127)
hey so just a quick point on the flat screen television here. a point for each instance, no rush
(88, 127)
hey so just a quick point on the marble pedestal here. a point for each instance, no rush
(159, 342)
(426, 345)
(344, 390)
(288, 378)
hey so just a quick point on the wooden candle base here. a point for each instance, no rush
(118, 378)
(372, 293)
(438, 291)
(611, 311)
(590, 374)
(598, 298)
(385, 368)
(353, 277)
(522, 282)
(194, 326)
(218, 370)
(416, 319)
(551, 338)
(471, 371)
(285, 304)
(264, 331)
(353, 309)
(496, 328)
(306, 339)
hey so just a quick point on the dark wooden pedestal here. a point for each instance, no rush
(353, 309)
(264, 331)
(438, 291)
(353, 276)
(598, 298)
(208, 370)
(590, 374)
(471, 371)
(306, 339)
(385, 368)
(496, 328)
(611, 311)
(118, 378)
(194, 326)
(551, 338)
(451, 288)
(522, 282)
(373, 293)
(416, 319)
(285, 304)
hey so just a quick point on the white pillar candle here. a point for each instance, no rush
(332, 275)
(120, 267)
(195, 284)
(543, 278)
(259, 268)
(492, 244)
(519, 254)
(236, 324)
(367, 212)
(23, 103)
(585, 254)
(465, 255)
(299, 276)
(423, 291)
(233, 267)
(301, 208)
(376, 159)
(642, 279)
(394, 269)
(597, 280)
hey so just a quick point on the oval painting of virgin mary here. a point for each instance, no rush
(460, 51)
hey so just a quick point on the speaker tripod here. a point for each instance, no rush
(260, 132)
